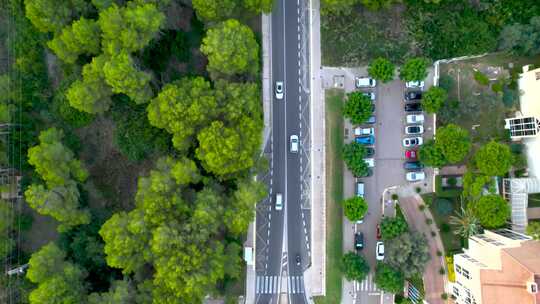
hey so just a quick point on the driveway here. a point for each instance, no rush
(434, 283)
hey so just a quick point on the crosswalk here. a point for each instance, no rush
(367, 284)
(276, 284)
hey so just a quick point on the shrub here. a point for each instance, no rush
(509, 97)
(451, 181)
(439, 253)
(481, 78)
(422, 207)
(433, 233)
(444, 296)
(395, 196)
(497, 87)
(418, 189)
(445, 227)
(443, 206)
(442, 271)
(429, 221)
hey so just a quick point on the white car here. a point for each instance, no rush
(414, 84)
(414, 129)
(412, 141)
(279, 201)
(279, 89)
(415, 176)
(370, 95)
(415, 118)
(365, 82)
(294, 143)
(370, 162)
(358, 131)
(379, 251)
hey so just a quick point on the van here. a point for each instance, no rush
(279, 202)
(360, 189)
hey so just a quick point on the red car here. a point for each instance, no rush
(410, 154)
(378, 232)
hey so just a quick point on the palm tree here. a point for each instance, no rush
(466, 223)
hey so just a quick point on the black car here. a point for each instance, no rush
(413, 95)
(359, 241)
(370, 151)
(413, 107)
(413, 165)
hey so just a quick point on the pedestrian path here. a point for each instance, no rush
(271, 284)
(366, 285)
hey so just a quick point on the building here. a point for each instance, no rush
(525, 127)
(500, 267)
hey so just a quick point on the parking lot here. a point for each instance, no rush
(388, 171)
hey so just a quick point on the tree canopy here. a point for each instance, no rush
(492, 210)
(354, 267)
(454, 142)
(381, 69)
(52, 15)
(355, 208)
(431, 154)
(389, 279)
(434, 99)
(407, 253)
(219, 10)
(493, 159)
(353, 155)
(521, 39)
(6, 224)
(358, 107)
(82, 37)
(414, 69)
(392, 227)
(123, 77)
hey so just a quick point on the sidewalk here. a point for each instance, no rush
(434, 283)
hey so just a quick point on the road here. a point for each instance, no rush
(284, 235)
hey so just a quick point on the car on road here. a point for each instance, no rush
(415, 129)
(410, 154)
(379, 251)
(298, 260)
(415, 176)
(360, 189)
(294, 143)
(371, 120)
(414, 84)
(370, 162)
(413, 96)
(370, 152)
(370, 95)
(415, 118)
(365, 140)
(359, 131)
(279, 89)
(378, 231)
(413, 165)
(412, 141)
(359, 241)
(279, 202)
(365, 82)
(413, 107)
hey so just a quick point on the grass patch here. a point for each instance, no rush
(534, 200)
(451, 242)
(334, 195)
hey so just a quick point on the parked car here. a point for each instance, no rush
(370, 162)
(413, 95)
(365, 82)
(415, 118)
(413, 107)
(279, 202)
(359, 131)
(415, 176)
(379, 251)
(360, 189)
(412, 141)
(294, 143)
(370, 152)
(371, 120)
(370, 95)
(279, 89)
(378, 231)
(410, 154)
(359, 241)
(416, 129)
(413, 165)
(414, 84)
(365, 140)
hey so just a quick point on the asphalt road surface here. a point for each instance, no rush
(282, 236)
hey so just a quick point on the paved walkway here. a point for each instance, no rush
(434, 283)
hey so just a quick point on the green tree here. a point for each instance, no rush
(214, 10)
(493, 159)
(353, 155)
(355, 208)
(121, 292)
(381, 69)
(240, 210)
(338, 7)
(389, 279)
(414, 69)
(454, 142)
(430, 154)
(183, 108)
(231, 49)
(465, 223)
(378, 4)
(407, 252)
(92, 94)
(392, 227)
(492, 210)
(52, 15)
(473, 184)
(82, 37)
(521, 39)
(129, 28)
(6, 224)
(123, 77)
(236, 100)
(224, 150)
(259, 6)
(358, 108)
(65, 111)
(533, 229)
(434, 99)
(354, 267)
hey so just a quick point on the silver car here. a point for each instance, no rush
(294, 143)
(279, 89)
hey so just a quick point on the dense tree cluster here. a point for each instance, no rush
(521, 39)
